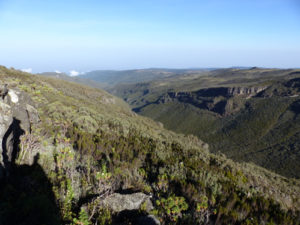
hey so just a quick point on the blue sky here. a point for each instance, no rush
(123, 34)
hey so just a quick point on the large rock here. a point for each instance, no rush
(17, 115)
(127, 206)
(121, 202)
(22, 108)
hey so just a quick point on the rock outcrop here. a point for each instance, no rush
(245, 91)
(120, 202)
(220, 100)
(16, 117)
(128, 206)
(214, 92)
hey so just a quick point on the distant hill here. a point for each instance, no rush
(79, 80)
(250, 115)
(113, 77)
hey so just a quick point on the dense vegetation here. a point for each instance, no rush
(89, 144)
(262, 127)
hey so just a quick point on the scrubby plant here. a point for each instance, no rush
(170, 209)
(83, 219)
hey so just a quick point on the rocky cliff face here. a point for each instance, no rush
(16, 118)
(216, 92)
(245, 91)
(221, 100)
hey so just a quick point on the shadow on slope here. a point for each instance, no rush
(26, 195)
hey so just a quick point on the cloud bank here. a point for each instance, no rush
(29, 70)
(74, 73)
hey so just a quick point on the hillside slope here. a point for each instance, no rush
(85, 158)
(250, 115)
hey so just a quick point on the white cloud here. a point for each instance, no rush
(57, 71)
(74, 73)
(29, 70)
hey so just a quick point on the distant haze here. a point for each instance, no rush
(80, 36)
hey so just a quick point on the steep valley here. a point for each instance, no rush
(250, 115)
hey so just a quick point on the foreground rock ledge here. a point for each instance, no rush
(119, 203)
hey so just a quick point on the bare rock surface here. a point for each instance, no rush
(17, 115)
(120, 202)
(128, 204)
